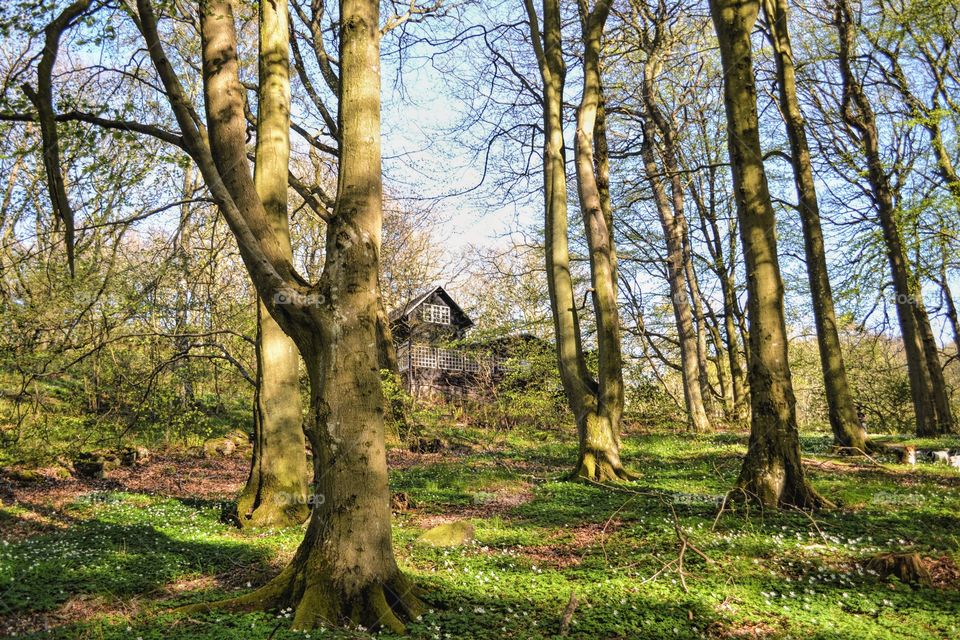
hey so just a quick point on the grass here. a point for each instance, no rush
(108, 565)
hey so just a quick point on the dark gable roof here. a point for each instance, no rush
(407, 309)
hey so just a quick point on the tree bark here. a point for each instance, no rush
(858, 114)
(597, 408)
(697, 419)
(42, 99)
(658, 142)
(276, 491)
(772, 473)
(344, 570)
(597, 222)
(846, 427)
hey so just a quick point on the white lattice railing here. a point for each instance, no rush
(421, 356)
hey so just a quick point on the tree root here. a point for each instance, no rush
(272, 514)
(595, 466)
(315, 601)
(802, 496)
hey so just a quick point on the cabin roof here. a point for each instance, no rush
(404, 312)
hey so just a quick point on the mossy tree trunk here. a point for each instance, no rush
(276, 491)
(658, 144)
(772, 473)
(344, 570)
(597, 406)
(927, 389)
(846, 427)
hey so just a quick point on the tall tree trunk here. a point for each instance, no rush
(597, 221)
(858, 114)
(700, 320)
(596, 407)
(655, 37)
(715, 245)
(772, 472)
(941, 396)
(846, 427)
(697, 419)
(344, 570)
(276, 491)
(741, 400)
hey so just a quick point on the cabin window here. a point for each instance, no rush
(436, 313)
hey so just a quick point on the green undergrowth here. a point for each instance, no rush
(130, 557)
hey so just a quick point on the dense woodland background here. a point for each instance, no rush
(129, 312)
(153, 337)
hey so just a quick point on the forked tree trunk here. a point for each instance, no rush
(715, 245)
(697, 419)
(858, 114)
(276, 491)
(597, 224)
(596, 408)
(772, 473)
(846, 427)
(344, 570)
(657, 132)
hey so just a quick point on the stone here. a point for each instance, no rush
(219, 447)
(426, 445)
(451, 534)
(89, 466)
(130, 456)
(238, 437)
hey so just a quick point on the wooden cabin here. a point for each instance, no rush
(424, 331)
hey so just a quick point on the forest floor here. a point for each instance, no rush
(107, 559)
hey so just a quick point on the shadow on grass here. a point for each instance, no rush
(96, 557)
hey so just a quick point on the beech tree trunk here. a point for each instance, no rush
(706, 207)
(846, 427)
(344, 570)
(658, 133)
(597, 407)
(931, 408)
(697, 419)
(772, 473)
(276, 491)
